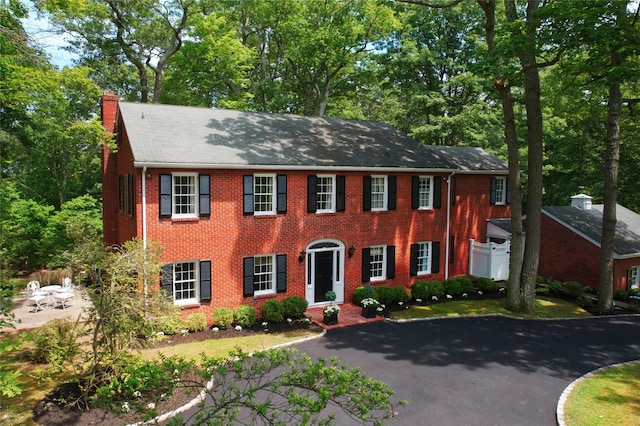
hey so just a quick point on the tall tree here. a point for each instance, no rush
(145, 33)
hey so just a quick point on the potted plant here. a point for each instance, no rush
(331, 310)
(369, 307)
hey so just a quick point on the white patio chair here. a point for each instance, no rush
(67, 283)
(32, 287)
(64, 299)
(38, 301)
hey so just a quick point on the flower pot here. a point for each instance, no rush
(331, 319)
(369, 311)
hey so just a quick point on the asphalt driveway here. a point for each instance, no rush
(480, 371)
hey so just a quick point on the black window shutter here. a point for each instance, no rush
(165, 195)
(493, 190)
(508, 200)
(391, 262)
(437, 192)
(366, 194)
(435, 257)
(247, 195)
(282, 194)
(205, 280)
(312, 201)
(366, 265)
(121, 192)
(281, 273)
(130, 194)
(166, 279)
(205, 195)
(340, 193)
(391, 187)
(629, 277)
(247, 268)
(452, 248)
(413, 265)
(452, 183)
(415, 192)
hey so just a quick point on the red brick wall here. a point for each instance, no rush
(109, 107)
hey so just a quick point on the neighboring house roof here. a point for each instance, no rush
(190, 137)
(588, 223)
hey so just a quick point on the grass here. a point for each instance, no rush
(546, 307)
(609, 397)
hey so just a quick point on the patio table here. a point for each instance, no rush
(49, 291)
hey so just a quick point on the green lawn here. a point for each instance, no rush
(546, 307)
(609, 397)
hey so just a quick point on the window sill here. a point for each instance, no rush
(188, 305)
(264, 296)
(185, 219)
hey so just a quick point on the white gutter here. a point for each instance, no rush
(144, 223)
(447, 248)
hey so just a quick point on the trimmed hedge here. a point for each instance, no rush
(457, 286)
(487, 285)
(244, 316)
(196, 322)
(223, 317)
(273, 311)
(362, 293)
(294, 307)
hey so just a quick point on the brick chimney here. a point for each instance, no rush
(109, 109)
(581, 201)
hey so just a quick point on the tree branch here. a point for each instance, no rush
(433, 5)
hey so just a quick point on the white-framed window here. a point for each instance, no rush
(264, 194)
(185, 194)
(500, 190)
(326, 193)
(425, 192)
(378, 263)
(378, 193)
(185, 279)
(424, 258)
(264, 274)
(633, 278)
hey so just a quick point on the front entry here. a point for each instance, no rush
(325, 271)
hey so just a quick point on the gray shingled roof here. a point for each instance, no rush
(589, 223)
(180, 136)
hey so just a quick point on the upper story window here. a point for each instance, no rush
(426, 192)
(187, 281)
(185, 195)
(633, 278)
(378, 263)
(264, 274)
(379, 193)
(499, 190)
(325, 193)
(264, 194)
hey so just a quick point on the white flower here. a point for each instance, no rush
(369, 302)
(160, 333)
(289, 320)
(434, 297)
(265, 323)
(400, 303)
(125, 407)
(501, 289)
(480, 292)
(419, 300)
(464, 295)
(379, 309)
(449, 296)
(215, 329)
(238, 327)
(137, 394)
(151, 405)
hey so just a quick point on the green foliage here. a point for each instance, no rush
(244, 316)
(400, 294)
(621, 295)
(487, 285)
(294, 307)
(386, 295)
(554, 285)
(10, 384)
(56, 342)
(273, 311)
(457, 286)
(584, 301)
(542, 290)
(427, 289)
(196, 322)
(365, 292)
(170, 324)
(572, 289)
(223, 317)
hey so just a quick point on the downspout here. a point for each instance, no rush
(446, 244)
(144, 224)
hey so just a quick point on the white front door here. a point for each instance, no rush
(324, 271)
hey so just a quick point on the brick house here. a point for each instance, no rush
(252, 206)
(570, 244)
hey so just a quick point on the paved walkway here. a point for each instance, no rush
(349, 315)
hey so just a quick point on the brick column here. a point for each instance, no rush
(109, 108)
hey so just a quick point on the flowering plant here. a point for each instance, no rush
(370, 302)
(332, 308)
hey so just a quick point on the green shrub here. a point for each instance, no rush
(420, 290)
(634, 292)
(436, 288)
(170, 324)
(365, 292)
(555, 286)
(584, 302)
(196, 322)
(572, 289)
(273, 311)
(223, 317)
(55, 343)
(487, 285)
(457, 286)
(400, 294)
(294, 307)
(244, 316)
(386, 295)
(621, 295)
(542, 290)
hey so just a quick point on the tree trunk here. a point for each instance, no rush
(612, 160)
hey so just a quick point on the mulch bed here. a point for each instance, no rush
(48, 412)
